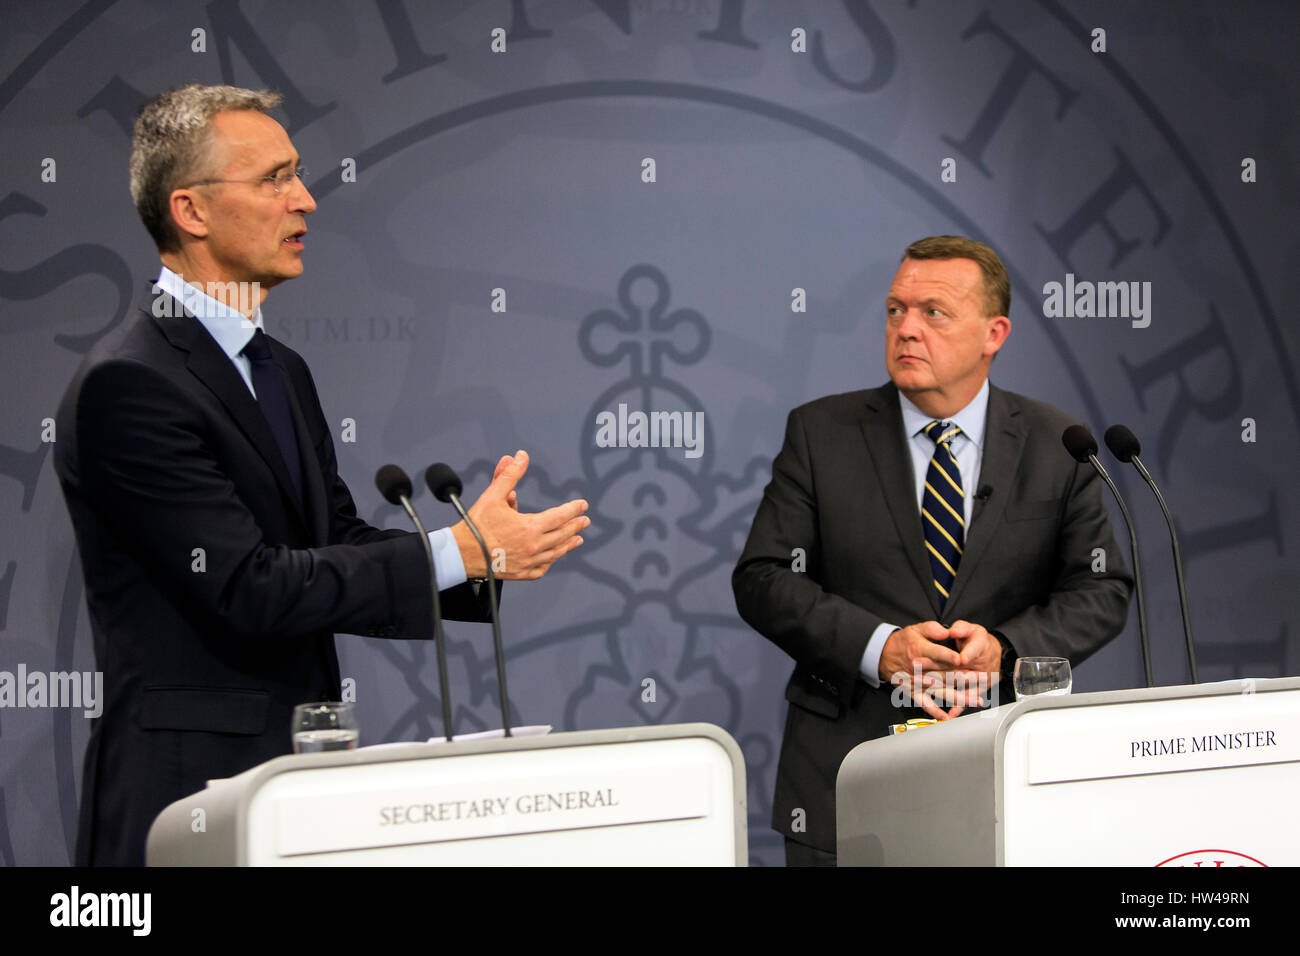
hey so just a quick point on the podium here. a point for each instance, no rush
(643, 796)
(1203, 775)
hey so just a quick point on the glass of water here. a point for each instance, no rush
(325, 725)
(1042, 677)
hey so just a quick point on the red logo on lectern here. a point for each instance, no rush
(1211, 858)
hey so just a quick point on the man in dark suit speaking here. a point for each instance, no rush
(922, 535)
(221, 550)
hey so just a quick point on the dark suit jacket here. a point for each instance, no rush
(842, 490)
(213, 592)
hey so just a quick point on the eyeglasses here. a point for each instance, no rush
(279, 180)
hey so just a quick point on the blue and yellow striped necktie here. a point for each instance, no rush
(943, 509)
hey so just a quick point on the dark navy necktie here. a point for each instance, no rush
(273, 398)
(943, 509)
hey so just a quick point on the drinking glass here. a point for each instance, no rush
(1042, 677)
(324, 725)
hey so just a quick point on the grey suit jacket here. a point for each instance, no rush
(842, 490)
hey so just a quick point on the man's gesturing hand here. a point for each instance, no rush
(531, 542)
(506, 461)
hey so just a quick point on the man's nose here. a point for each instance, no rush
(909, 324)
(302, 200)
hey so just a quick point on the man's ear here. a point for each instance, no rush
(189, 212)
(999, 331)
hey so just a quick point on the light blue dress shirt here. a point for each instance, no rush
(968, 449)
(232, 331)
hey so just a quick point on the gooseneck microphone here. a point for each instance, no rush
(1123, 444)
(446, 486)
(1078, 441)
(395, 486)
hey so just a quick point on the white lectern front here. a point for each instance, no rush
(1202, 775)
(643, 796)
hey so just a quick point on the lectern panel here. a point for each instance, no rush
(461, 807)
(1144, 782)
(670, 795)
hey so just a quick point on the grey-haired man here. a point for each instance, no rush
(221, 549)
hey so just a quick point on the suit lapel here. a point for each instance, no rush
(882, 427)
(1004, 442)
(211, 366)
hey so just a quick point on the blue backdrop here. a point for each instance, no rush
(796, 146)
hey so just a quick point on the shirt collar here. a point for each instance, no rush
(231, 330)
(970, 419)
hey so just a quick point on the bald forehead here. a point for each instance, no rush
(247, 143)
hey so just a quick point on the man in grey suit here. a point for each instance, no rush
(917, 538)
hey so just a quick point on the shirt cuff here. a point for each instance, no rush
(446, 559)
(870, 666)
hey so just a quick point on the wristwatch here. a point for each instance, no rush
(1008, 665)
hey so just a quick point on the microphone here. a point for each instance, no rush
(395, 486)
(1078, 441)
(1124, 445)
(445, 485)
(981, 497)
